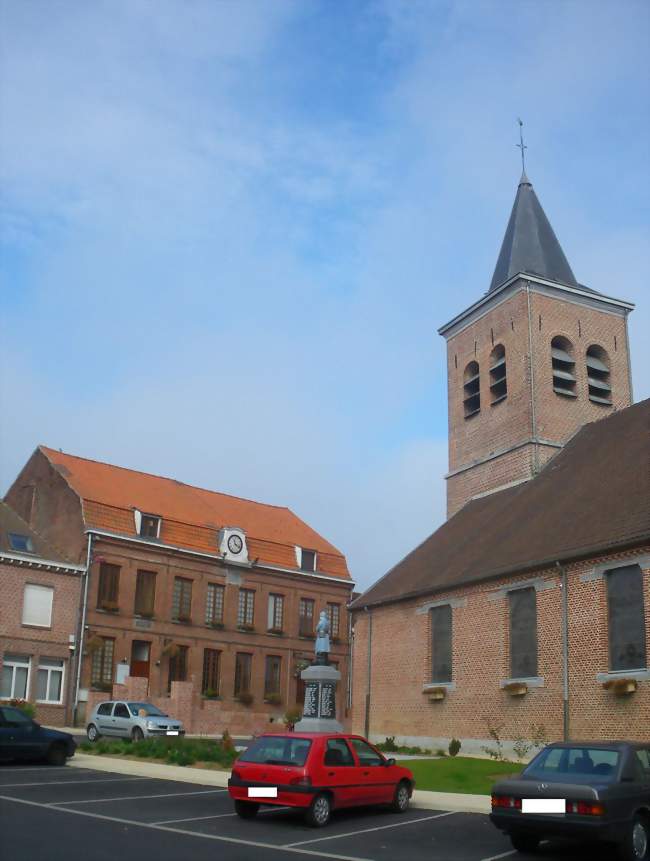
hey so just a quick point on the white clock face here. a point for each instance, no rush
(235, 544)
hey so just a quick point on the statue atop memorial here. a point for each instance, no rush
(323, 639)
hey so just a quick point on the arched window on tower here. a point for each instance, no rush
(564, 367)
(471, 390)
(600, 390)
(498, 380)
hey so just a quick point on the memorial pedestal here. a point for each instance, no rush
(319, 713)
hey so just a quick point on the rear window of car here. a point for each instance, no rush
(562, 764)
(278, 750)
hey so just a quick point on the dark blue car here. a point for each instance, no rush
(22, 738)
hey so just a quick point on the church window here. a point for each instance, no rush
(472, 390)
(600, 390)
(564, 366)
(498, 381)
(626, 618)
(441, 643)
(523, 633)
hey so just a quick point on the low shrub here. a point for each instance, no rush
(454, 747)
(441, 752)
(23, 705)
(388, 745)
(291, 718)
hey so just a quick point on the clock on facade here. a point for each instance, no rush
(235, 544)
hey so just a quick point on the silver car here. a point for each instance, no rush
(124, 719)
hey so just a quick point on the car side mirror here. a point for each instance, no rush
(389, 762)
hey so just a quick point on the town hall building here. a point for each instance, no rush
(528, 611)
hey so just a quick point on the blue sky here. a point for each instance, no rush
(230, 230)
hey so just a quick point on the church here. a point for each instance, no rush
(527, 613)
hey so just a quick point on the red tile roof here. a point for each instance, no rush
(191, 516)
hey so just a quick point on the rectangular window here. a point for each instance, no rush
(145, 593)
(210, 682)
(182, 600)
(306, 621)
(276, 612)
(177, 666)
(49, 681)
(21, 543)
(214, 604)
(272, 675)
(149, 526)
(14, 682)
(37, 605)
(334, 616)
(626, 617)
(243, 662)
(307, 559)
(441, 644)
(109, 586)
(246, 608)
(101, 665)
(523, 633)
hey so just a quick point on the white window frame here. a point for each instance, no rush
(50, 589)
(49, 671)
(11, 662)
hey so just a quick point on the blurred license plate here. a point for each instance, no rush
(172, 732)
(543, 805)
(262, 792)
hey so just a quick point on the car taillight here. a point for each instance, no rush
(506, 801)
(300, 781)
(585, 808)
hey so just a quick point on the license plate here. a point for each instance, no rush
(262, 792)
(543, 805)
(172, 732)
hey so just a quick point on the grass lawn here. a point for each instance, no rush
(459, 773)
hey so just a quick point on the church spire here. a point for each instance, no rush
(530, 246)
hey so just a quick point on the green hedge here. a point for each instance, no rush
(179, 751)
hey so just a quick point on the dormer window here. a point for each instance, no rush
(563, 366)
(306, 559)
(471, 390)
(498, 381)
(600, 390)
(149, 526)
(21, 543)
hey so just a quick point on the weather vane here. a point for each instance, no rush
(522, 146)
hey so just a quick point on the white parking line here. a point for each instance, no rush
(72, 782)
(214, 816)
(39, 768)
(133, 797)
(198, 834)
(502, 855)
(367, 830)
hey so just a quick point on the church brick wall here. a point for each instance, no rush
(401, 660)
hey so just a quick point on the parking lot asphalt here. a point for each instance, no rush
(52, 814)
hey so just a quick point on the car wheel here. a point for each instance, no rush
(636, 845)
(56, 755)
(136, 734)
(319, 811)
(402, 797)
(524, 842)
(246, 809)
(92, 732)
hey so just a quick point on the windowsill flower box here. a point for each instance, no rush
(436, 694)
(621, 687)
(246, 628)
(218, 626)
(516, 689)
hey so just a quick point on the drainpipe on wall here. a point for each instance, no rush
(369, 670)
(565, 651)
(82, 631)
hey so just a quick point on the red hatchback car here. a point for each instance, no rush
(316, 772)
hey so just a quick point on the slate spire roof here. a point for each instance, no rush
(530, 245)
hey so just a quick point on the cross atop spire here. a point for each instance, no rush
(522, 146)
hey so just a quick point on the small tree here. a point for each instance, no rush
(454, 747)
(495, 752)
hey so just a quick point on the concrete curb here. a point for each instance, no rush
(454, 801)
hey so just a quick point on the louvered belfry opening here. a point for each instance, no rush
(564, 367)
(472, 390)
(600, 390)
(498, 377)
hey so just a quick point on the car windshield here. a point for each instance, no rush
(278, 750)
(568, 764)
(145, 710)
